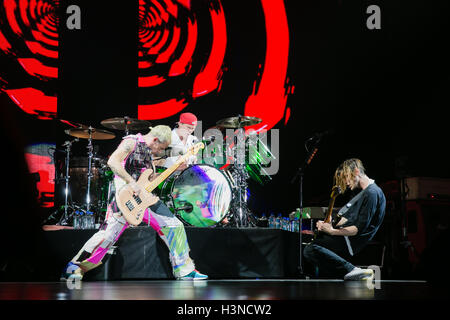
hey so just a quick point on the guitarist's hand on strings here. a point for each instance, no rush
(324, 227)
(135, 187)
(182, 166)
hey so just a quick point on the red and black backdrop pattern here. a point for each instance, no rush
(187, 43)
(29, 42)
(183, 49)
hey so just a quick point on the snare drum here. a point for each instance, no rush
(200, 195)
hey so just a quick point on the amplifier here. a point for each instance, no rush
(312, 212)
(427, 188)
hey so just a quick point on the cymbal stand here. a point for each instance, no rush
(90, 156)
(65, 217)
(242, 215)
(126, 120)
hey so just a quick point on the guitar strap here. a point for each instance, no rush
(344, 210)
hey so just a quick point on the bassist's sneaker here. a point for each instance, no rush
(359, 274)
(72, 271)
(194, 276)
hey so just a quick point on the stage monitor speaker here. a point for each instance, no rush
(418, 188)
(426, 220)
(427, 188)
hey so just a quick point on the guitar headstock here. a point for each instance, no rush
(196, 148)
(336, 190)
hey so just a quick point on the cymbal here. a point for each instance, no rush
(238, 122)
(125, 123)
(86, 133)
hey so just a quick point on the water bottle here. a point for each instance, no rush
(84, 221)
(292, 224)
(272, 221)
(296, 225)
(263, 221)
(89, 221)
(278, 221)
(286, 224)
(78, 220)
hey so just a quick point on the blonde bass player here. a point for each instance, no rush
(133, 157)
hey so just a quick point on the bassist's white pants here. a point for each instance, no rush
(160, 218)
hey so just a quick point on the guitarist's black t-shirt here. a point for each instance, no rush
(365, 211)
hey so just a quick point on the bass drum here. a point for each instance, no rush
(78, 173)
(200, 195)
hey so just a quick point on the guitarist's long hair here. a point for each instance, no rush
(347, 171)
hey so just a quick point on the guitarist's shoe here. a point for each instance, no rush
(72, 271)
(194, 276)
(359, 274)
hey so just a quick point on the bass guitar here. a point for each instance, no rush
(133, 206)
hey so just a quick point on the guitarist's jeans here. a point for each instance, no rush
(328, 254)
(160, 218)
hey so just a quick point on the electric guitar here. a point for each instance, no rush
(335, 191)
(133, 206)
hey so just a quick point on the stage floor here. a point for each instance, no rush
(275, 289)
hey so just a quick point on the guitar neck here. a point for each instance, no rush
(166, 173)
(329, 211)
(334, 194)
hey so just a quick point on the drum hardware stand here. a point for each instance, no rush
(65, 217)
(241, 214)
(125, 122)
(89, 133)
(89, 175)
(300, 174)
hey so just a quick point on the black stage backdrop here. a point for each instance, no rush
(380, 94)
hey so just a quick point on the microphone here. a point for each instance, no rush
(68, 143)
(188, 207)
(57, 150)
(319, 135)
(162, 157)
(208, 140)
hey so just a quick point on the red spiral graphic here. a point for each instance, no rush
(182, 48)
(169, 47)
(168, 39)
(29, 46)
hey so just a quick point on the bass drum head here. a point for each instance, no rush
(204, 192)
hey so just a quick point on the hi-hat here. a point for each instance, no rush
(125, 123)
(238, 122)
(90, 133)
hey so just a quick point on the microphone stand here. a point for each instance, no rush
(300, 174)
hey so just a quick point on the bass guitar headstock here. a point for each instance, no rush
(196, 148)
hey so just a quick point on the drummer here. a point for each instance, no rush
(182, 140)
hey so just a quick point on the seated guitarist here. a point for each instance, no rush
(128, 161)
(359, 220)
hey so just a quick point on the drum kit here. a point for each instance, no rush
(201, 195)
(92, 171)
